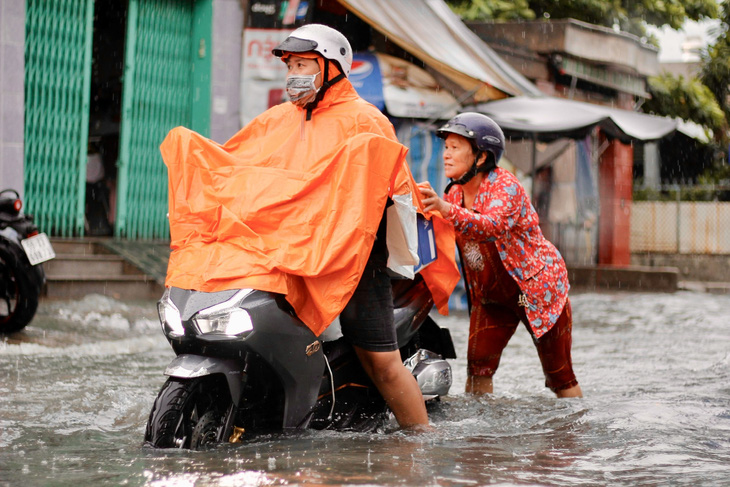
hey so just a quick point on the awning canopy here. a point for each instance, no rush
(549, 118)
(401, 88)
(429, 30)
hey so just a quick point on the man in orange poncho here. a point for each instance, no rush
(294, 204)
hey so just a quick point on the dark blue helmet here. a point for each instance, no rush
(481, 130)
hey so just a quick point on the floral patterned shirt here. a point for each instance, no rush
(502, 213)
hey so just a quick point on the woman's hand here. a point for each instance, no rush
(432, 201)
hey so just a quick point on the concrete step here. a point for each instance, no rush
(77, 246)
(705, 287)
(90, 266)
(626, 278)
(118, 287)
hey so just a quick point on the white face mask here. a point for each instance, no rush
(299, 86)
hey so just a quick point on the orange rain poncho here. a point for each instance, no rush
(292, 206)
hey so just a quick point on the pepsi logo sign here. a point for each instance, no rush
(361, 69)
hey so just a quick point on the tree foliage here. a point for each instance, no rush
(688, 99)
(492, 9)
(628, 15)
(715, 73)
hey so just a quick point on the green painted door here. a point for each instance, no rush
(166, 84)
(57, 86)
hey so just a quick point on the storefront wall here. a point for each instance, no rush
(12, 38)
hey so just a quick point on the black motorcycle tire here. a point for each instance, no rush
(18, 289)
(180, 407)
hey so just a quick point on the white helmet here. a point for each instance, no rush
(321, 39)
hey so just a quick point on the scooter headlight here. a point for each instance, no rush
(232, 322)
(225, 318)
(170, 316)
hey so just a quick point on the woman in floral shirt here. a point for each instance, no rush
(512, 272)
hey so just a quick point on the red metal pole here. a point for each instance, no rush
(615, 178)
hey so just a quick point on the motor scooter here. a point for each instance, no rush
(23, 249)
(247, 366)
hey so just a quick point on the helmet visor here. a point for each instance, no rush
(294, 44)
(454, 128)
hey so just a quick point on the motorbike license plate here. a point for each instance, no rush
(38, 248)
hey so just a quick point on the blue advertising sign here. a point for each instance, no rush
(366, 78)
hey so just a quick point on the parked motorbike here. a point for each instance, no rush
(22, 250)
(247, 366)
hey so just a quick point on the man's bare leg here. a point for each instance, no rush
(397, 386)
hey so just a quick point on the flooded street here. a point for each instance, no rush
(77, 385)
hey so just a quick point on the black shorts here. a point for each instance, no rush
(367, 320)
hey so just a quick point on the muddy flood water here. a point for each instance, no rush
(77, 385)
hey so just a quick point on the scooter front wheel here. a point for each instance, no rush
(207, 430)
(187, 413)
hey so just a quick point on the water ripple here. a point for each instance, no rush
(77, 385)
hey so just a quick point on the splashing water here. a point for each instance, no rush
(77, 385)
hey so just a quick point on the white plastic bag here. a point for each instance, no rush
(402, 236)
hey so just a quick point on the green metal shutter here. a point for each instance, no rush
(57, 87)
(159, 89)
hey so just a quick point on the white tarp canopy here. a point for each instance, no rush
(549, 118)
(429, 30)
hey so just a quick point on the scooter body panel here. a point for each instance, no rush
(189, 366)
(10, 239)
(21, 282)
(320, 378)
(278, 338)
